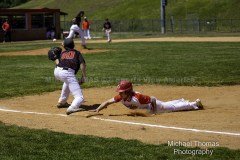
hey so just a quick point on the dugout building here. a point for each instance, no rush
(31, 24)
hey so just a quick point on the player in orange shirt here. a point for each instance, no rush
(136, 100)
(86, 28)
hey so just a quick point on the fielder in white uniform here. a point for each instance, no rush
(67, 66)
(76, 29)
(135, 100)
(107, 27)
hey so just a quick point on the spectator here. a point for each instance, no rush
(7, 31)
(50, 32)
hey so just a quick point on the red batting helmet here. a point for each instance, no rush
(124, 85)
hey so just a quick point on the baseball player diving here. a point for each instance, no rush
(68, 64)
(135, 100)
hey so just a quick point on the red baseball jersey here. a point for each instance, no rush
(6, 26)
(137, 101)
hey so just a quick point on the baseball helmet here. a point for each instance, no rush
(68, 43)
(124, 85)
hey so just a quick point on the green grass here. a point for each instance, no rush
(24, 46)
(166, 63)
(169, 63)
(142, 9)
(22, 143)
(26, 75)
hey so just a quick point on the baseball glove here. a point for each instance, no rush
(54, 53)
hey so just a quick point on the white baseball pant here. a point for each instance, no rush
(74, 28)
(175, 105)
(87, 34)
(70, 85)
(107, 32)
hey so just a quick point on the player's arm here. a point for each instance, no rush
(154, 105)
(83, 68)
(105, 104)
(57, 61)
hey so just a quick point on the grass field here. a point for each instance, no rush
(165, 63)
(142, 9)
(22, 143)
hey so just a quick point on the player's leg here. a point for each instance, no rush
(81, 34)
(71, 34)
(5, 36)
(76, 91)
(52, 35)
(85, 34)
(62, 102)
(88, 34)
(48, 35)
(177, 105)
(61, 75)
(180, 105)
(108, 35)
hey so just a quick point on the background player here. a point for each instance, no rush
(86, 28)
(67, 65)
(76, 28)
(107, 27)
(135, 100)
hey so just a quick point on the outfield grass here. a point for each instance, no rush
(166, 63)
(142, 9)
(24, 46)
(22, 143)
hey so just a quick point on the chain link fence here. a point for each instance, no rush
(172, 26)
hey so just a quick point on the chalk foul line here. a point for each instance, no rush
(167, 127)
(27, 112)
(130, 123)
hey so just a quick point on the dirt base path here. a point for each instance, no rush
(222, 114)
(44, 51)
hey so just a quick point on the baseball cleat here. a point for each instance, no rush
(77, 110)
(199, 104)
(63, 105)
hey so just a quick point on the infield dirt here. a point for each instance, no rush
(222, 113)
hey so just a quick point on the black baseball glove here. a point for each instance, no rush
(54, 53)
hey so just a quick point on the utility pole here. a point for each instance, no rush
(163, 16)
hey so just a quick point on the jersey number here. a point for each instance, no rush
(68, 55)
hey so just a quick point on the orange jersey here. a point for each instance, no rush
(6, 26)
(136, 101)
(85, 25)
